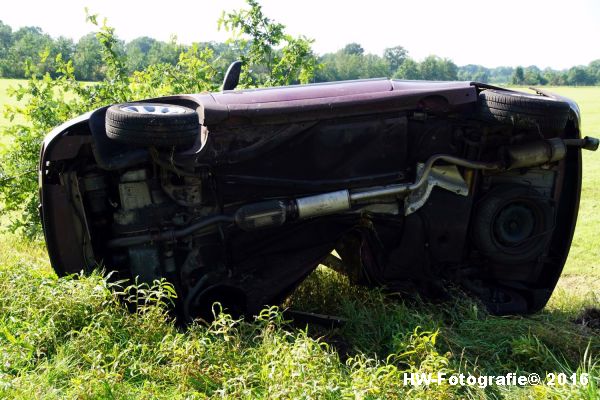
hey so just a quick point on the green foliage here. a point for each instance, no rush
(578, 76)
(353, 48)
(193, 73)
(48, 101)
(75, 338)
(475, 73)
(395, 57)
(518, 76)
(87, 59)
(351, 63)
(270, 56)
(438, 69)
(533, 76)
(408, 70)
(144, 51)
(340, 66)
(45, 107)
(594, 70)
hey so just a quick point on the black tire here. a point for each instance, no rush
(523, 110)
(503, 301)
(151, 125)
(513, 224)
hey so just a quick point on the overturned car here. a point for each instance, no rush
(237, 196)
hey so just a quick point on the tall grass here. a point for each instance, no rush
(74, 338)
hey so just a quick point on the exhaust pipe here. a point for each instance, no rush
(272, 213)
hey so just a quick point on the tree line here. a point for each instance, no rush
(30, 50)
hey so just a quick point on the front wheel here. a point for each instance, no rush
(152, 124)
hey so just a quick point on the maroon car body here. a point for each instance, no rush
(414, 184)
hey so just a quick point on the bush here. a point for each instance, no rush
(48, 101)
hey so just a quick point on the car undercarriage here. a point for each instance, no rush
(236, 197)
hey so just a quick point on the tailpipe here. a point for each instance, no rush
(543, 151)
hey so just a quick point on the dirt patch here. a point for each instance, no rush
(579, 283)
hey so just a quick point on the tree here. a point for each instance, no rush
(395, 56)
(354, 48)
(594, 71)
(30, 45)
(436, 68)
(145, 51)
(408, 70)
(373, 66)
(450, 70)
(476, 73)
(6, 41)
(518, 76)
(501, 74)
(552, 77)
(481, 76)
(137, 52)
(271, 57)
(340, 66)
(87, 59)
(166, 52)
(63, 46)
(6, 38)
(578, 76)
(533, 76)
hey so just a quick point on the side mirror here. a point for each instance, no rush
(232, 76)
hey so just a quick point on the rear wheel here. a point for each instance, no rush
(523, 109)
(150, 124)
(513, 224)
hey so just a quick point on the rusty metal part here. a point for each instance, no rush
(187, 194)
(535, 153)
(343, 200)
(446, 177)
(587, 143)
(401, 189)
(172, 234)
(259, 215)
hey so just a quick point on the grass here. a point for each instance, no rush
(5, 85)
(584, 257)
(5, 99)
(72, 338)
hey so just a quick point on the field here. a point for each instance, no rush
(71, 338)
(584, 259)
(5, 99)
(5, 85)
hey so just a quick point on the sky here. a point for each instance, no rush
(557, 34)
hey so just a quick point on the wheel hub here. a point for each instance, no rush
(153, 109)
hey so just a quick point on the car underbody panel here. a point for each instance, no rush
(237, 196)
